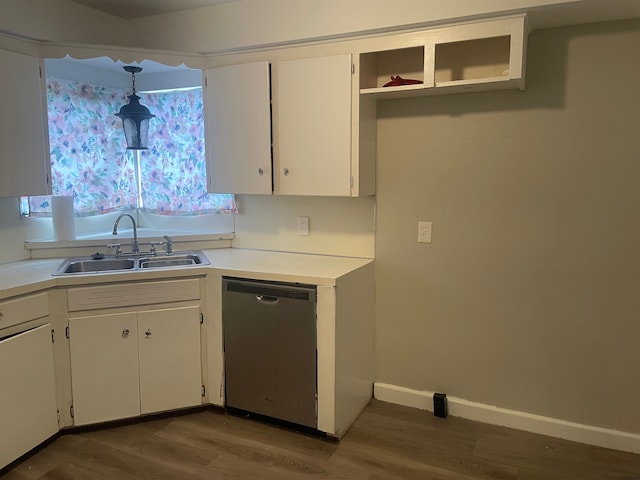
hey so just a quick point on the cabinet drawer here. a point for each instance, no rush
(23, 309)
(125, 295)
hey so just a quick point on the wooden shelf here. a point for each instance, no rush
(471, 82)
(392, 90)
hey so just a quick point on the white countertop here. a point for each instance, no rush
(268, 265)
(28, 276)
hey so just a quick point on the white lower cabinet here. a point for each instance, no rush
(169, 359)
(132, 363)
(27, 392)
(104, 367)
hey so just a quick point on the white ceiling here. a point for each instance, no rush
(129, 9)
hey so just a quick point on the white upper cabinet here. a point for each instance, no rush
(488, 55)
(468, 57)
(24, 142)
(316, 134)
(313, 117)
(317, 131)
(238, 128)
(320, 145)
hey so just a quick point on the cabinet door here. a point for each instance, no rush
(27, 393)
(170, 368)
(238, 129)
(24, 142)
(313, 114)
(104, 367)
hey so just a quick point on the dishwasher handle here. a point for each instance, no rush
(267, 299)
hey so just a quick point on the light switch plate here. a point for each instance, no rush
(424, 232)
(303, 225)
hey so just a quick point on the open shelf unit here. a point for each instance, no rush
(474, 56)
(377, 68)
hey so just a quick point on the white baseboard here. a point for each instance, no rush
(458, 407)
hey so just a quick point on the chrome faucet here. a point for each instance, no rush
(134, 243)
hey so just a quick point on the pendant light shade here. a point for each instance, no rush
(135, 117)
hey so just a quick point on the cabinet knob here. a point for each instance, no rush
(148, 332)
(125, 332)
(261, 171)
(285, 171)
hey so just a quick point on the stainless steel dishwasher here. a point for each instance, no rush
(270, 349)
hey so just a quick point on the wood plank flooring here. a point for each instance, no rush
(386, 442)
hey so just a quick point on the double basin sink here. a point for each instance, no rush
(99, 263)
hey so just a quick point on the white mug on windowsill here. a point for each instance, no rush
(64, 226)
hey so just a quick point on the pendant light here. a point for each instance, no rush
(135, 117)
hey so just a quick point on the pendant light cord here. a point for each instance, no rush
(133, 82)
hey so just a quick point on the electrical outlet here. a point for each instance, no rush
(303, 225)
(424, 232)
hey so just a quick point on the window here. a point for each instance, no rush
(89, 160)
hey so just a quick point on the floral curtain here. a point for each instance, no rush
(173, 170)
(89, 160)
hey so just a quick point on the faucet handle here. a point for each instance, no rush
(153, 249)
(118, 248)
(168, 244)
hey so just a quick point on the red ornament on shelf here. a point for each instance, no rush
(397, 81)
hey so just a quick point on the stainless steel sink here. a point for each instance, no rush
(89, 265)
(110, 263)
(174, 260)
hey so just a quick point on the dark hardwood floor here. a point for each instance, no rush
(386, 442)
